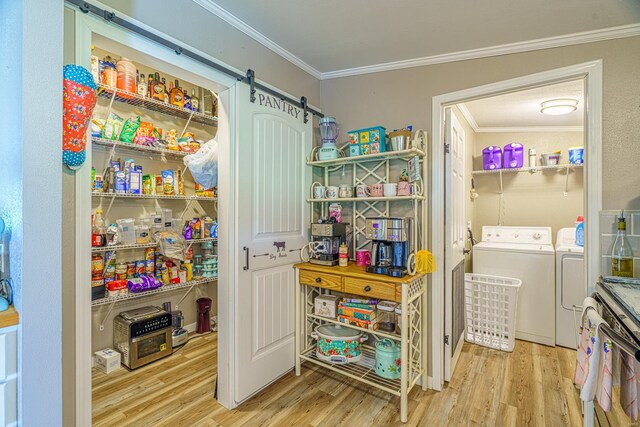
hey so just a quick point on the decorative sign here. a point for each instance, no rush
(278, 104)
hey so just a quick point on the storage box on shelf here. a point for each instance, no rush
(409, 291)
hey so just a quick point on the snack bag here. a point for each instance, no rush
(111, 128)
(129, 130)
(78, 100)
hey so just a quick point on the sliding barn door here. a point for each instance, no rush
(272, 183)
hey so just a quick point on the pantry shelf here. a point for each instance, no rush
(366, 199)
(152, 196)
(388, 155)
(146, 245)
(363, 370)
(136, 100)
(560, 168)
(379, 333)
(135, 147)
(163, 289)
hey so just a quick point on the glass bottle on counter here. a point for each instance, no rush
(175, 95)
(621, 252)
(195, 101)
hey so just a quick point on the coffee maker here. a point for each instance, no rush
(326, 240)
(390, 245)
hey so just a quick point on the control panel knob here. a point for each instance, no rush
(516, 235)
(537, 236)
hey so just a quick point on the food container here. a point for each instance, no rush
(143, 235)
(126, 228)
(550, 159)
(399, 140)
(337, 344)
(386, 316)
(513, 156)
(326, 306)
(388, 359)
(576, 155)
(492, 158)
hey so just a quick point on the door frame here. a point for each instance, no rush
(592, 74)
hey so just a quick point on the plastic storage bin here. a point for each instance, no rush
(490, 304)
(492, 158)
(513, 156)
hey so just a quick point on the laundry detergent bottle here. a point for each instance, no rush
(580, 231)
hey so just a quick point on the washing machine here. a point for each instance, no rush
(525, 253)
(571, 286)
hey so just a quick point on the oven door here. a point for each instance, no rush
(150, 347)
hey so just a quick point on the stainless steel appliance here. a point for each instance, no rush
(326, 240)
(142, 335)
(390, 245)
(179, 335)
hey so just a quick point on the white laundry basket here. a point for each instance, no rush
(490, 304)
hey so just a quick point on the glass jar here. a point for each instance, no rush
(386, 316)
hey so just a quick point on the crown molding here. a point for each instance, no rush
(468, 116)
(505, 49)
(248, 30)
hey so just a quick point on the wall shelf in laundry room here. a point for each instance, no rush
(531, 169)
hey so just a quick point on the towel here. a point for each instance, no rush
(587, 370)
(584, 352)
(628, 386)
(606, 376)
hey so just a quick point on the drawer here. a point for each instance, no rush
(370, 288)
(321, 280)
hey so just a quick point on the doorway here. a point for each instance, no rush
(443, 319)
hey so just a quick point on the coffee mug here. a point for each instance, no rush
(362, 190)
(363, 257)
(376, 190)
(404, 188)
(345, 191)
(318, 190)
(331, 192)
(390, 189)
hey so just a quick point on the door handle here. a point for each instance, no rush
(246, 258)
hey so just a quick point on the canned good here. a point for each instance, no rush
(110, 271)
(131, 270)
(97, 282)
(97, 264)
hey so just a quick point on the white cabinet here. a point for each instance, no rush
(8, 377)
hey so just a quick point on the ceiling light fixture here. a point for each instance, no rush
(558, 107)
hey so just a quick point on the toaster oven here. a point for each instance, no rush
(142, 335)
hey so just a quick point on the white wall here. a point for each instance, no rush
(30, 191)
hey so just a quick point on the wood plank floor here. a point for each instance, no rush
(530, 387)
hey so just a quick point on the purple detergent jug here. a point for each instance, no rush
(513, 155)
(492, 158)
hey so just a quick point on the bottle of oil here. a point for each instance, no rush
(621, 252)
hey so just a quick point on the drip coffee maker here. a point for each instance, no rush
(326, 240)
(390, 245)
(329, 131)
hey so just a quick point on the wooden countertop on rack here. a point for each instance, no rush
(357, 272)
(9, 317)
